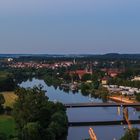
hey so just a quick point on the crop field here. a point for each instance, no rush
(10, 98)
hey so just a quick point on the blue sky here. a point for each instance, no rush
(70, 26)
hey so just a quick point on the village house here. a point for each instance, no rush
(104, 80)
(136, 78)
(80, 73)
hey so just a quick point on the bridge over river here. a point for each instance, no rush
(103, 123)
(110, 122)
(79, 105)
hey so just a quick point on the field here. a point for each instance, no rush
(7, 125)
(10, 98)
(3, 74)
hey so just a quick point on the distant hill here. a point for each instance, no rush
(104, 56)
(13, 55)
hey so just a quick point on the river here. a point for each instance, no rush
(86, 114)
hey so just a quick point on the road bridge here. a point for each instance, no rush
(102, 123)
(79, 105)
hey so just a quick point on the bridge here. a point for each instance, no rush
(109, 122)
(102, 123)
(79, 105)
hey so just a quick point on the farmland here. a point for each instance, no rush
(7, 125)
(10, 98)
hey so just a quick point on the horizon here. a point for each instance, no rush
(69, 54)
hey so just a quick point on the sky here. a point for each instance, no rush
(69, 26)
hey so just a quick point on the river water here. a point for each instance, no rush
(86, 114)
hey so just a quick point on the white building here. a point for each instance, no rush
(10, 59)
(136, 78)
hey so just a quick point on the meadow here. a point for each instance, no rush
(7, 125)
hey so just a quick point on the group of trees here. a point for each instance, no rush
(122, 82)
(37, 118)
(124, 78)
(2, 101)
(3, 136)
(138, 97)
(133, 134)
(6, 81)
(95, 90)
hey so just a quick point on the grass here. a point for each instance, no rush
(3, 74)
(7, 125)
(10, 98)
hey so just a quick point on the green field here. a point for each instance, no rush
(7, 125)
(10, 98)
(3, 74)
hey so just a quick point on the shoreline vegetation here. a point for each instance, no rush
(88, 84)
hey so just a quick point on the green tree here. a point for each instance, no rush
(32, 131)
(96, 84)
(3, 136)
(85, 88)
(131, 134)
(103, 93)
(138, 97)
(33, 113)
(7, 83)
(86, 77)
(2, 101)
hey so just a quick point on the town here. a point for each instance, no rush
(79, 73)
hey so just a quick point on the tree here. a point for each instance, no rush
(31, 131)
(7, 83)
(96, 84)
(85, 88)
(34, 115)
(103, 93)
(2, 101)
(138, 97)
(3, 136)
(131, 134)
(86, 77)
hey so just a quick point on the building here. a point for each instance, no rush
(112, 72)
(104, 81)
(10, 59)
(80, 73)
(136, 78)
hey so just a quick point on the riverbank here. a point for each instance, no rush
(122, 99)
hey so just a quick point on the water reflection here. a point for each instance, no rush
(58, 93)
(86, 114)
(102, 132)
(99, 114)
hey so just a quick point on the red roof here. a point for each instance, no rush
(80, 72)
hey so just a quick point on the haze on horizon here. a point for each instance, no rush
(70, 26)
